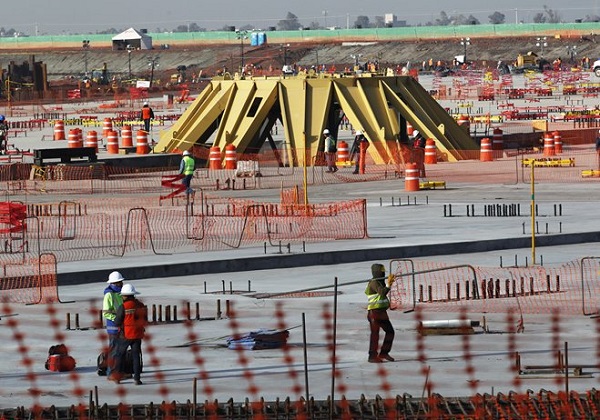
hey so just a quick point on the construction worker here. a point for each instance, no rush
(330, 151)
(359, 151)
(132, 317)
(112, 300)
(146, 115)
(377, 315)
(3, 134)
(186, 168)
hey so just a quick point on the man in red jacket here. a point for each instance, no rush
(132, 317)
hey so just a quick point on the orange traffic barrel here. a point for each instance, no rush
(91, 140)
(73, 138)
(106, 127)
(79, 137)
(343, 153)
(497, 139)
(230, 157)
(464, 122)
(549, 145)
(486, 153)
(127, 136)
(112, 142)
(409, 129)
(141, 142)
(430, 152)
(59, 130)
(557, 142)
(214, 158)
(411, 179)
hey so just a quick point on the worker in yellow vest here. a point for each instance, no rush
(186, 168)
(377, 315)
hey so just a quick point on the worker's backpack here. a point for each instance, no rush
(58, 359)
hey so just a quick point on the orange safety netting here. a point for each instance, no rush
(437, 287)
(28, 281)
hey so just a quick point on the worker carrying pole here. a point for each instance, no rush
(377, 315)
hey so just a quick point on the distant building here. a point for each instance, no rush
(391, 21)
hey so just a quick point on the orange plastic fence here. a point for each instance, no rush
(95, 228)
(406, 389)
(436, 287)
(32, 280)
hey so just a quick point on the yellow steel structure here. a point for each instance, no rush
(243, 112)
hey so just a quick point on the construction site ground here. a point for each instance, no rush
(401, 225)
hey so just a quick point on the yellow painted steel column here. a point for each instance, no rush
(305, 173)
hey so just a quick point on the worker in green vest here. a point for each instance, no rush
(186, 168)
(377, 315)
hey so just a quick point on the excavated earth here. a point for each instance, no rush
(211, 58)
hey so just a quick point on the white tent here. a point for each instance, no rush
(133, 38)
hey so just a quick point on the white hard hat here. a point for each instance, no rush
(326, 131)
(145, 103)
(115, 277)
(359, 133)
(187, 153)
(129, 290)
(415, 133)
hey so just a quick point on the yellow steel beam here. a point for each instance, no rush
(168, 138)
(246, 110)
(292, 102)
(319, 93)
(432, 119)
(197, 119)
(360, 114)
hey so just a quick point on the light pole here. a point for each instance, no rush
(152, 63)
(129, 50)
(285, 69)
(542, 42)
(465, 42)
(241, 35)
(85, 44)
(285, 50)
(572, 51)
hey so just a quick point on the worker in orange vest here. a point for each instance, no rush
(147, 115)
(132, 318)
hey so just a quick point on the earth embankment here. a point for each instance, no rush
(210, 59)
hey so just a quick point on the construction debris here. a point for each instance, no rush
(259, 340)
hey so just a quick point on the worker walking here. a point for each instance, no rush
(330, 151)
(132, 318)
(359, 151)
(377, 315)
(112, 300)
(3, 134)
(186, 168)
(146, 115)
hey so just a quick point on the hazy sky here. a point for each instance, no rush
(85, 16)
